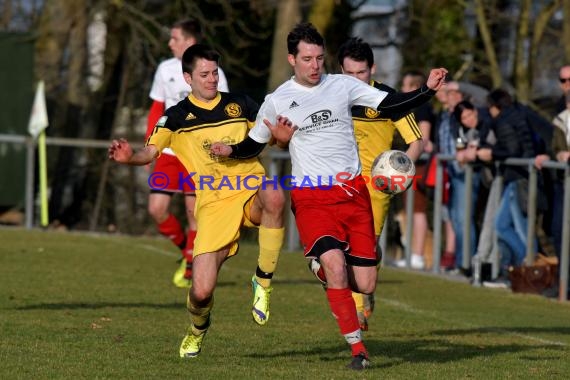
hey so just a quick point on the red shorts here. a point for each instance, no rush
(336, 218)
(170, 176)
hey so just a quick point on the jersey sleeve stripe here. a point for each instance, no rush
(414, 126)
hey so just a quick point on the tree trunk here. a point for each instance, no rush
(6, 15)
(288, 14)
(522, 79)
(60, 62)
(540, 25)
(321, 14)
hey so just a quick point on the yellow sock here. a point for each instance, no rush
(199, 315)
(359, 301)
(270, 243)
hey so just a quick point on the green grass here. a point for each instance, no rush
(86, 306)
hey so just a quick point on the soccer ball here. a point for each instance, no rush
(392, 172)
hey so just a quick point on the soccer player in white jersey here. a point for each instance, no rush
(311, 113)
(168, 88)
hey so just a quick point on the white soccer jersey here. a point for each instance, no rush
(169, 86)
(324, 145)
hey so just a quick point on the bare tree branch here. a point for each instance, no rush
(487, 38)
(566, 30)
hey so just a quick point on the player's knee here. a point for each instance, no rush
(368, 287)
(156, 212)
(274, 201)
(336, 274)
(200, 295)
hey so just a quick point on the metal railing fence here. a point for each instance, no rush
(292, 235)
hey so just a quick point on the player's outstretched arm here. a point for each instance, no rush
(396, 104)
(122, 152)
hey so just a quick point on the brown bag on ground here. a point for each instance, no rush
(534, 279)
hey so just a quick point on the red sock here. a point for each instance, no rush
(344, 310)
(190, 243)
(172, 229)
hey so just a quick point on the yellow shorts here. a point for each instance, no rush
(219, 222)
(380, 205)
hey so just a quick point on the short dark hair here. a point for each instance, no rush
(460, 107)
(195, 52)
(499, 98)
(305, 32)
(418, 77)
(355, 48)
(190, 28)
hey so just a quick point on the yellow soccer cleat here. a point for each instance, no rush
(192, 344)
(260, 309)
(179, 279)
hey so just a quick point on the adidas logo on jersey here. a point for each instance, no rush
(190, 116)
(293, 105)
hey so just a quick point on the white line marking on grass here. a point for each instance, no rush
(412, 310)
(130, 243)
(156, 250)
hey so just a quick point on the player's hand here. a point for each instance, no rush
(283, 130)
(436, 78)
(120, 151)
(220, 149)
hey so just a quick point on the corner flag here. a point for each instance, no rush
(36, 127)
(38, 118)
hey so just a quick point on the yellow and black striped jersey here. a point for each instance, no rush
(191, 126)
(374, 133)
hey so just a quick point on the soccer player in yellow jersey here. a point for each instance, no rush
(374, 134)
(229, 192)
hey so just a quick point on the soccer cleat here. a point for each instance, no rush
(181, 278)
(318, 271)
(191, 344)
(359, 362)
(260, 309)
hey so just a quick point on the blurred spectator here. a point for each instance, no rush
(475, 123)
(445, 145)
(514, 139)
(561, 150)
(425, 118)
(541, 132)
(564, 79)
(453, 140)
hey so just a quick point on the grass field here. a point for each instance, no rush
(86, 306)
